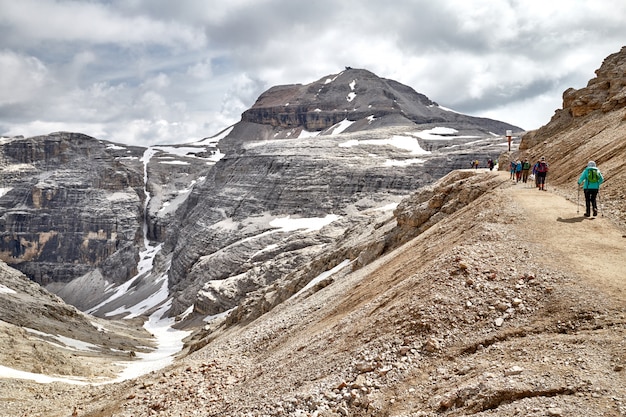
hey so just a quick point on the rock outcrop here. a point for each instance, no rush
(603, 94)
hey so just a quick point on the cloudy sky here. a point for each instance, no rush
(161, 71)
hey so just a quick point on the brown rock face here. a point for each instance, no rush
(604, 93)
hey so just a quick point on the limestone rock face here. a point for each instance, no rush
(604, 93)
(69, 204)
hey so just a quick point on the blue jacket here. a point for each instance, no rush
(590, 185)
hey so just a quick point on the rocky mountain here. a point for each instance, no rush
(81, 216)
(340, 146)
(76, 211)
(394, 288)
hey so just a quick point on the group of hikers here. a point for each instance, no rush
(490, 164)
(590, 180)
(521, 171)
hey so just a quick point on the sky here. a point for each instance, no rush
(146, 72)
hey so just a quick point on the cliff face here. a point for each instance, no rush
(76, 210)
(69, 205)
(606, 93)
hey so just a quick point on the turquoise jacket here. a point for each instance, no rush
(590, 185)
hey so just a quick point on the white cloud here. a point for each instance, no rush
(21, 77)
(71, 21)
(146, 70)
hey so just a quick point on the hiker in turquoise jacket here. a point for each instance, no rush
(590, 179)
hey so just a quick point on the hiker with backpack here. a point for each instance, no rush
(525, 170)
(590, 179)
(518, 171)
(542, 172)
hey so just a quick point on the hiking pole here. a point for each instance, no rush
(600, 204)
(578, 201)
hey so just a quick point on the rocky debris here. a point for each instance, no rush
(75, 207)
(474, 316)
(347, 175)
(39, 333)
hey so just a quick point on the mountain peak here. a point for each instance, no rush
(355, 94)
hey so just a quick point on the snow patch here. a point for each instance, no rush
(330, 80)
(66, 342)
(402, 142)
(287, 224)
(403, 162)
(170, 342)
(6, 372)
(208, 319)
(145, 305)
(306, 134)
(174, 162)
(341, 126)
(6, 290)
(212, 141)
(440, 133)
(323, 276)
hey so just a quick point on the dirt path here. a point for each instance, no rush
(593, 247)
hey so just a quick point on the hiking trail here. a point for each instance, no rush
(593, 247)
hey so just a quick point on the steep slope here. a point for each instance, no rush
(478, 296)
(46, 339)
(70, 204)
(84, 217)
(481, 314)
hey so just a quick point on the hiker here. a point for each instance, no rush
(512, 170)
(490, 164)
(518, 170)
(591, 178)
(542, 172)
(525, 170)
(534, 173)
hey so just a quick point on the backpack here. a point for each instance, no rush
(593, 176)
(543, 167)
